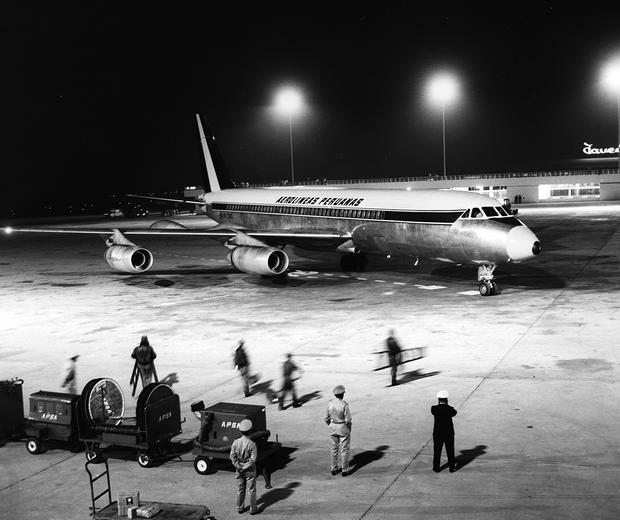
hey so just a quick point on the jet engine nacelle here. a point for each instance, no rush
(267, 261)
(129, 259)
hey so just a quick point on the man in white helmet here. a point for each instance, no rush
(443, 431)
(243, 456)
(338, 418)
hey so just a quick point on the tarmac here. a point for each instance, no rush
(533, 372)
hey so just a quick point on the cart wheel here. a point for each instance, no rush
(34, 446)
(144, 460)
(203, 465)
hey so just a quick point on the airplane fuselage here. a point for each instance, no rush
(437, 224)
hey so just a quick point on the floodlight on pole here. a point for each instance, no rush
(610, 79)
(289, 102)
(443, 89)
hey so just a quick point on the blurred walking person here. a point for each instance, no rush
(242, 364)
(338, 418)
(288, 385)
(394, 355)
(70, 381)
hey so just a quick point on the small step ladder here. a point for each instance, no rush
(93, 479)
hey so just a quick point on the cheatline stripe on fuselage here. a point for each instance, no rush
(435, 217)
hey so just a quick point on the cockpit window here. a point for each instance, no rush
(476, 213)
(502, 211)
(465, 214)
(489, 211)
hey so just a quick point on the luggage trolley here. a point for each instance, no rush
(100, 420)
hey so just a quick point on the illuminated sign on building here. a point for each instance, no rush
(589, 150)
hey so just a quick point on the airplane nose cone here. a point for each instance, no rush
(522, 244)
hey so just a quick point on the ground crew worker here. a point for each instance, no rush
(443, 431)
(70, 381)
(338, 418)
(145, 356)
(288, 385)
(242, 364)
(394, 355)
(243, 453)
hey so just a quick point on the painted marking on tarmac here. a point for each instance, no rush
(380, 281)
(297, 274)
(399, 283)
(362, 279)
(468, 293)
(430, 287)
(183, 302)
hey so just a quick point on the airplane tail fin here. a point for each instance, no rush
(215, 174)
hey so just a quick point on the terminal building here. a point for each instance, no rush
(518, 187)
(542, 186)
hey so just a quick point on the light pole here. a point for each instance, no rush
(611, 81)
(289, 102)
(442, 90)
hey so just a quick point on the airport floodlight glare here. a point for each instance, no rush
(443, 89)
(611, 76)
(611, 81)
(289, 102)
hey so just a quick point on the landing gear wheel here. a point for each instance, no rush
(144, 460)
(494, 288)
(203, 465)
(486, 288)
(353, 262)
(34, 446)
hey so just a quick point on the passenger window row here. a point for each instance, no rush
(310, 211)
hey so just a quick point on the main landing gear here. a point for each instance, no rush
(353, 262)
(487, 286)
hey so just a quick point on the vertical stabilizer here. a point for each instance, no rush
(215, 173)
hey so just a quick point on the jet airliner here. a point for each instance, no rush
(257, 224)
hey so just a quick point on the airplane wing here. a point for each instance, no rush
(218, 233)
(251, 251)
(180, 201)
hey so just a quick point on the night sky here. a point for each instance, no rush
(100, 98)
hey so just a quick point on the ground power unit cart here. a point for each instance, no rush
(219, 427)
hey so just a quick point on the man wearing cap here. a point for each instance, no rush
(338, 418)
(443, 431)
(243, 456)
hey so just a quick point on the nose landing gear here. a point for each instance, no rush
(487, 286)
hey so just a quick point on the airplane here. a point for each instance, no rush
(256, 225)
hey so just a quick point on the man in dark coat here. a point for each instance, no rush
(394, 355)
(145, 356)
(443, 431)
(242, 364)
(288, 384)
